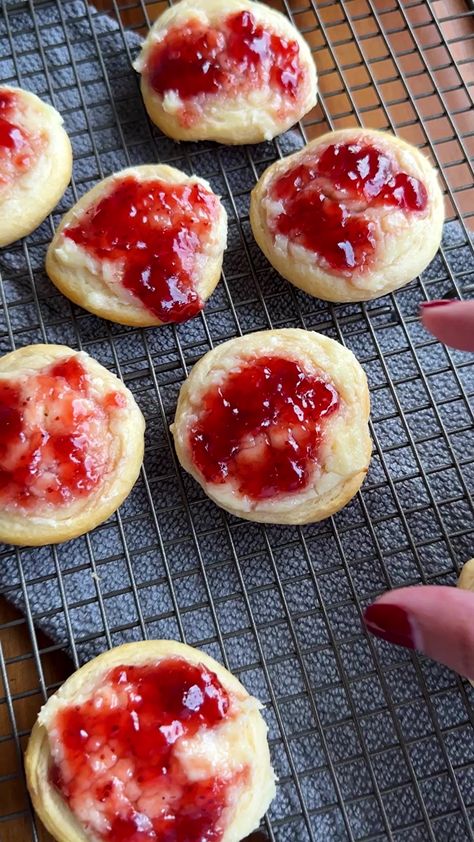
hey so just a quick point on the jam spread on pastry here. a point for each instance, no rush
(18, 148)
(261, 428)
(116, 755)
(54, 436)
(235, 72)
(356, 214)
(155, 229)
(198, 60)
(273, 426)
(324, 201)
(152, 740)
(35, 162)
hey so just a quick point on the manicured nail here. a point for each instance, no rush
(391, 623)
(439, 302)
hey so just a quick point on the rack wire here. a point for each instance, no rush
(369, 742)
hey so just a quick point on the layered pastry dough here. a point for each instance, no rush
(35, 162)
(354, 215)
(71, 444)
(273, 425)
(143, 247)
(234, 71)
(153, 736)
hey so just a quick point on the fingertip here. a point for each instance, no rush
(435, 619)
(451, 321)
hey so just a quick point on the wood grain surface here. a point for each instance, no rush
(24, 677)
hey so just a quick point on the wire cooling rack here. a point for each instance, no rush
(369, 742)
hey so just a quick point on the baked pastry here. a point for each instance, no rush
(233, 71)
(466, 582)
(150, 741)
(273, 425)
(466, 577)
(71, 444)
(35, 162)
(143, 247)
(354, 215)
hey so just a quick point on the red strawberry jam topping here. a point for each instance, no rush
(326, 198)
(261, 428)
(196, 59)
(18, 148)
(54, 436)
(156, 230)
(118, 755)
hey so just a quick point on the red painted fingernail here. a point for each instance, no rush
(440, 302)
(391, 623)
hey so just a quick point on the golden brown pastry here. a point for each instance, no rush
(35, 162)
(354, 215)
(143, 247)
(466, 577)
(71, 444)
(233, 71)
(466, 582)
(273, 425)
(152, 740)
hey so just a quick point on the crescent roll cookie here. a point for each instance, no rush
(71, 444)
(153, 740)
(35, 162)
(143, 247)
(273, 425)
(234, 71)
(353, 216)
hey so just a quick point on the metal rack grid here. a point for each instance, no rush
(369, 742)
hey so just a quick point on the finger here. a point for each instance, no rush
(452, 322)
(436, 619)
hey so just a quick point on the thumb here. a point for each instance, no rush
(436, 619)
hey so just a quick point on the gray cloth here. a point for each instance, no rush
(371, 739)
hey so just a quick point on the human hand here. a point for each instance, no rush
(451, 321)
(436, 619)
